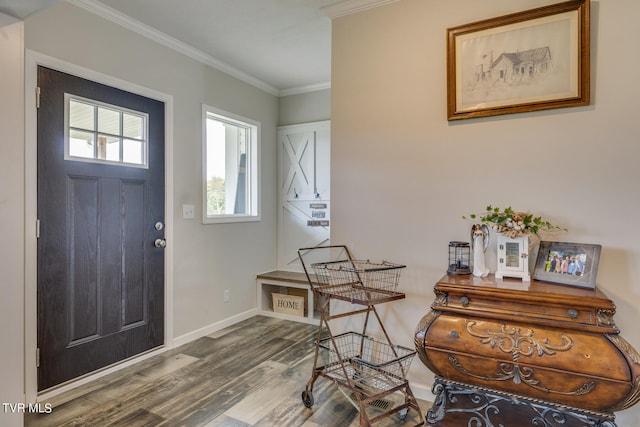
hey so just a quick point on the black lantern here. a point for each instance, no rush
(459, 253)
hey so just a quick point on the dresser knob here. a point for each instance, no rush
(464, 301)
(572, 313)
(454, 334)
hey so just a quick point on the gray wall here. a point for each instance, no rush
(207, 259)
(407, 175)
(11, 218)
(304, 107)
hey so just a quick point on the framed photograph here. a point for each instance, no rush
(527, 61)
(574, 264)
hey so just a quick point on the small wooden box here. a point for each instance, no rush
(288, 304)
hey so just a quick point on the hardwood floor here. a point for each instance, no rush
(250, 374)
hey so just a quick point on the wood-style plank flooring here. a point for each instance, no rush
(249, 374)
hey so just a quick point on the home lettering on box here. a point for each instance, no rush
(293, 305)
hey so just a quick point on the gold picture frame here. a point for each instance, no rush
(534, 60)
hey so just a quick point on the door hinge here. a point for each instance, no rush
(37, 357)
(37, 228)
(37, 97)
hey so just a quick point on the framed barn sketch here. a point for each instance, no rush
(527, 61)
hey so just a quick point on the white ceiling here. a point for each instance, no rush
(23, 8)
(283, 43)
(281, 46)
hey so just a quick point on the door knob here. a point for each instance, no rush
(160, 243)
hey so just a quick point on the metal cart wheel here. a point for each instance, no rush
(307, 399)
(403, 414)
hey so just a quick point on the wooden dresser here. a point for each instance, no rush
(513, 353)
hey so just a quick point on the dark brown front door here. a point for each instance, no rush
(100, 275)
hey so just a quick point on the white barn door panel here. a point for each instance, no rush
(304, 153)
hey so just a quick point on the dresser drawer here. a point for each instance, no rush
(531, 302)
(568, 367)
(478, 304)
(565, 388)
(571, 351)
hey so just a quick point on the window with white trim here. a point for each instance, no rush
(230, 167)
(97, 132)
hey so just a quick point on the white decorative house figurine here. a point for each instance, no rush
(479, 244)
(513, 257)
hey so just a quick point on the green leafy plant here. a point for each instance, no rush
(512, 223)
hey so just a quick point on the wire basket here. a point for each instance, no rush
(349, 273)
(364, 363)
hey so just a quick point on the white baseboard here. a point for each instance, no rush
(422, 392)
(214, 327)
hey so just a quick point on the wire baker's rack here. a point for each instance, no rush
(366, 370)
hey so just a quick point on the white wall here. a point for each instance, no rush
(402, 176)
(11, 218)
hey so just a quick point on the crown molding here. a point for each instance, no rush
(347, 7)
(136, 26)
(305, 89)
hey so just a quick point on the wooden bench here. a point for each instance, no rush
(288, 283)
